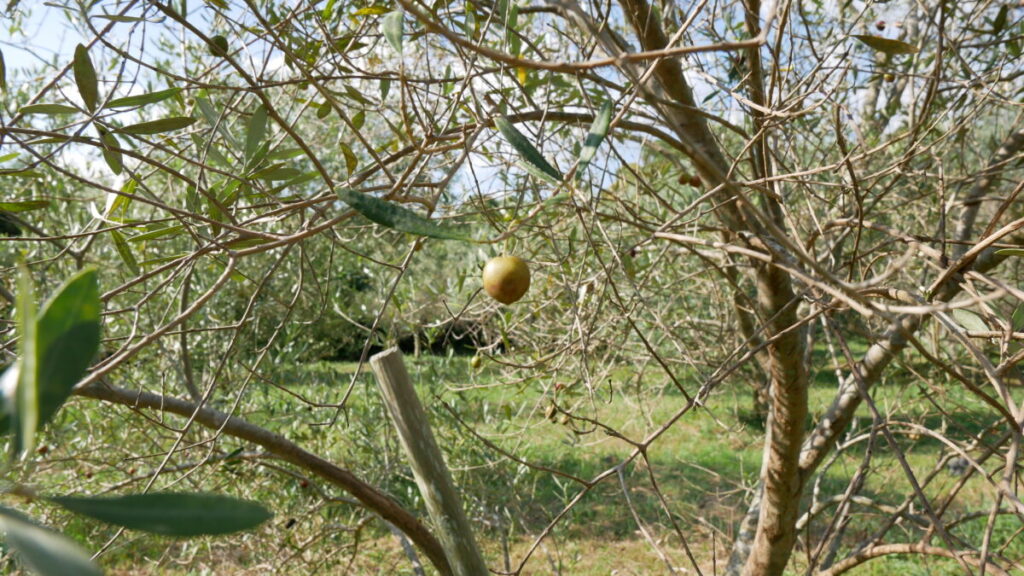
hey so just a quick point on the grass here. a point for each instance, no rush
(704, 466)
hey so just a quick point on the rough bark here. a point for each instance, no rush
(781, 480)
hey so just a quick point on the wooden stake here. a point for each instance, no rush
(432, 475)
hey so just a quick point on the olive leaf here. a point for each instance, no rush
(24, 206)
(85, 77)
(143, 99)
(48, 109)
(887, 45)
(43, 551)
(158, 126)
(598, 130)
(125, 252)
(391, 25)
(111, 151)
(536, 164)
(171, 514)
(396, 217)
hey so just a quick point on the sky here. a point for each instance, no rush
(45, 35)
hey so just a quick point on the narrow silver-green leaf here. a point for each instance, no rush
(598, 130)
(67, 339)
(25, 206)
(999, 24)
(396, 217)
(45, 552)
(351, 160)
(969, 320)
(143, 99)
(159, 126)
(392, 25)
(85, 77)
(278, 172)
(538, 173)
(125, 251)
(887, 45)
(256, 132)
(26, 405)
(215, 120)
(48, 109)
(158, 233)
(525, 149)
(171, 514)
(3, 73)
(112, 151)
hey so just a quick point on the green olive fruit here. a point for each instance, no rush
(889, 77)
(506, 278)
(219, 45)
(475, 362)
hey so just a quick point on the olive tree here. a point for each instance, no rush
(708, 193)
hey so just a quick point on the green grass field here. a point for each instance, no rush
(704, 465)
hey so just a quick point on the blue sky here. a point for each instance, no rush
(46, 34)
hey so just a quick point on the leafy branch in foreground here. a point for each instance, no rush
(56, 346)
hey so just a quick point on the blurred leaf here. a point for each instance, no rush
(1017, 320)
(285, 154)
(538, 173)
(111, 151)
(49, 109)
(67, 338)
(240, 243)
(358, 119)
(598, 130)
(392, 26)
(143, 99)
(351, 160)
(43, 551)
(158, 233)
(323, 110)
(21, 173)
(887, 45)
(26, 206)
(371, 11)
(214, 119)
(85, 77)
(159, 126)
(999, 24)
(164, 259)
(328, 10)
(171, 514)
(969, 320)
(125, 251)
(3, 73)
(256, 132)
(357, 96)
(527, 151)
(26, 404)
(396, 217)
(277, 172)
(1010, 252)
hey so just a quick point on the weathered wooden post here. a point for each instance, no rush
(432, 475)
